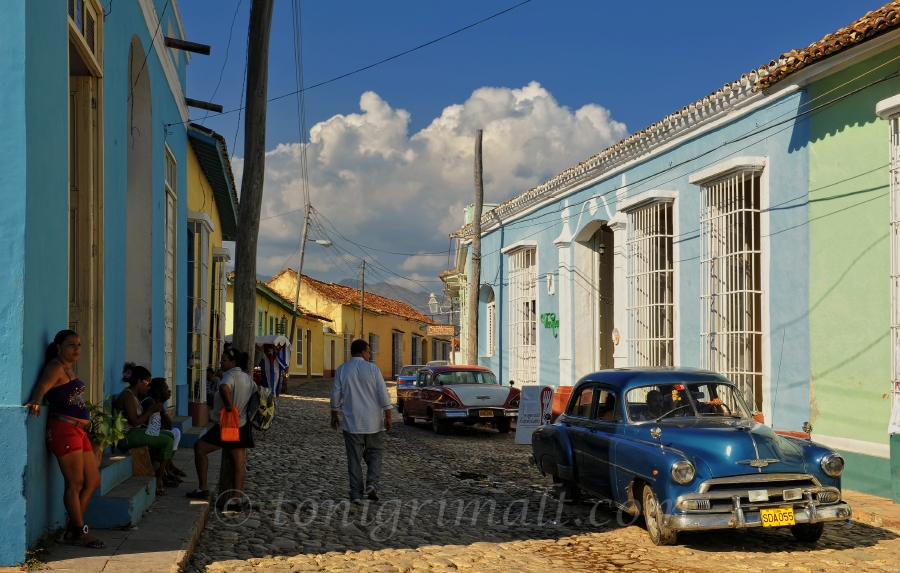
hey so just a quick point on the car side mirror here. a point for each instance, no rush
(807, 428)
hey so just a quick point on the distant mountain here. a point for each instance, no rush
(417, 300)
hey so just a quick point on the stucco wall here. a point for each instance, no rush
(850, 258)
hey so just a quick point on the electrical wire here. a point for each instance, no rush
(378, 63)
(227, 50)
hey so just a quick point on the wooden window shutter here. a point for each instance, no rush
(89, 30)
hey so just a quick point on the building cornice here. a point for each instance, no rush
(153, 24)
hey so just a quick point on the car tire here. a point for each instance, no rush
(807, 532)
(567, 490)
(439, 426)
(503, 426)
(654, 517)
(407, 419)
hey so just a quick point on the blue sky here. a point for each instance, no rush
(624, 64)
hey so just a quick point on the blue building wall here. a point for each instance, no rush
(787, 168)
(34, 52)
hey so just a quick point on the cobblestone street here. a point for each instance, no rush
(434, 486)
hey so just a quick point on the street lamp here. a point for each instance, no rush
(433, 304)
(324, 243)
(283, 325)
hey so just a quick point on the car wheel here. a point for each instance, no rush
(503, 426)
(808, 532)
(654, 518)
(566, 490)
(407, 419)
(439, 426)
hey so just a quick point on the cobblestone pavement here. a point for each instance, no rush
(432, 488)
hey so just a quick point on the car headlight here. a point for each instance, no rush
(514, 404)
(833, 465)
(683, 471)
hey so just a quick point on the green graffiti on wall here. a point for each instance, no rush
(550, 321)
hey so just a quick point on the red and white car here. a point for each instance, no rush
(443, 395)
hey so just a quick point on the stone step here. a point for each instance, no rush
(190, 436)
(123, 505)
(183, 423)
(114, 469)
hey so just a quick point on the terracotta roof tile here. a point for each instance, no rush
(266, 289)
(351, 297)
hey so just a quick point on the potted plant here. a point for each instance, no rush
(106, 429)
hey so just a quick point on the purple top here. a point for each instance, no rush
(68, 400)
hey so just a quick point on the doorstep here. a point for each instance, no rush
(872, 510)
(163, 540)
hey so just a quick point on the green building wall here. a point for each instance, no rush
(849, 268)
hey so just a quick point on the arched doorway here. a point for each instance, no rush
(139, 216)
(594, 300)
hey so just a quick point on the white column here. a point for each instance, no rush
(620, 288)
(564, 287)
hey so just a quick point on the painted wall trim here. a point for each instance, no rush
(855, 446)
(223, 253)
(726, 168)
(645, 198)
(152, 21)
(199, 216)
(518, 245)
(887, 108)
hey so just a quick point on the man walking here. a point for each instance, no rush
(359, 392)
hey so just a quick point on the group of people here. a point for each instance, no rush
(147, 423)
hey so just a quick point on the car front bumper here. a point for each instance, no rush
(474, 414)
(740, 519)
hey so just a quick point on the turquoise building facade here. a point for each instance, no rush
(94, 211)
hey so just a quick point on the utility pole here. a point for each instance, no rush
(252, 180)
(362, 303)
(251, 193)
(299, 277)
(475, 274)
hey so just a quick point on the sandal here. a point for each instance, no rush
(160, 492)
(177, 472)
(83, 538)
(170, 481)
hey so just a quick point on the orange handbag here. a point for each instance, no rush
(229, 423)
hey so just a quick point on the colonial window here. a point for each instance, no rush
(416, 349)
(374, 347)
(523, 316)
(435, 352)
(217, 306)
(396, 352)
(348, 339)
(651, 332)
(198, 291)
(170, 258)
(889, 109)
(299, 346)
(731, 275)
(86, 27)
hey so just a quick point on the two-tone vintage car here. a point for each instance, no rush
(680, 446)
(407, 375)
(443, 395)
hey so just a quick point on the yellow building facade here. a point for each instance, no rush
(396, 333)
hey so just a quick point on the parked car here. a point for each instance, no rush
(438, 363)
(407, 375)
(681, 447)
(443, 395)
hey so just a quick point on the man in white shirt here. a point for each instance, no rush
(359, 392)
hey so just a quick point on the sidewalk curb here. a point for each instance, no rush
(875, 520)
(187, 549)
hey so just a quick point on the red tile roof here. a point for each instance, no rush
(351, 297)
(276, 296)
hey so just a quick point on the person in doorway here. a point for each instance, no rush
(360, 394)
(234, 394)
(66, 432)
(128, 402)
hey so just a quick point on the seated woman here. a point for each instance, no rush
(129, 403)
(161, 423)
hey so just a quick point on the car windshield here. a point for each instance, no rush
(681, 400)
(465, 377)
(409, 370)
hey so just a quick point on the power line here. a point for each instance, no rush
(227, 49)
(378, 63)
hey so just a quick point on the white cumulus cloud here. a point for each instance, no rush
(387, 189)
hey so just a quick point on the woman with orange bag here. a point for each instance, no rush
(232, 399)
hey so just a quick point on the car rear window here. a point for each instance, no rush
(409, 370)
(466, 377)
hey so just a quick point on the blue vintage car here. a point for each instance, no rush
(680, 446)
(407, 375)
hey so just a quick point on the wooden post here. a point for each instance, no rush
(362, 303)
(251, 193)
(475, 274)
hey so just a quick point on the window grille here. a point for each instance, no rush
(217, 311)
(198, 308)
(895, 252)
(299, 347)
(651, 333)
(348, 339)
(491, 324)
(731, 287)
(170, 249)
(374, 347)
(523, 316)
(397, 352)
(416, 349)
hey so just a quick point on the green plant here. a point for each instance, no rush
(41, 547)
(106, 429)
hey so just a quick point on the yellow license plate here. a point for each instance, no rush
(486, 413)
(777, 517)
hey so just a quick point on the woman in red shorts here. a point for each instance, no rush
(66, 435)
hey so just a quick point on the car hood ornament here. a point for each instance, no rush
(758, 463)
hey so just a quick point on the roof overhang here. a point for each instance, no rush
(212, 154)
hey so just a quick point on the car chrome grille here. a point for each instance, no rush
(753, 492)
